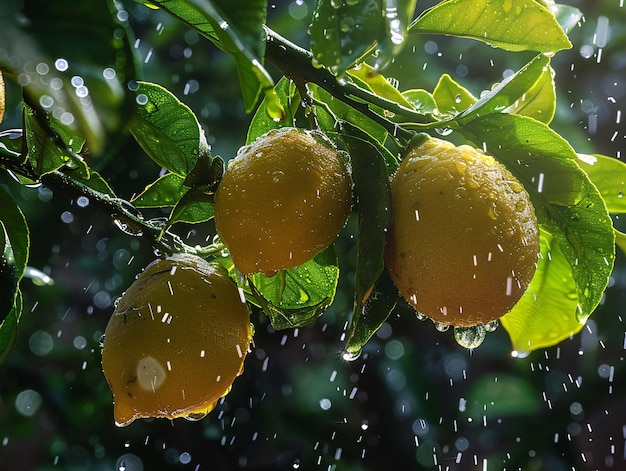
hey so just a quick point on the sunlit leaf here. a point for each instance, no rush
(451, 97)
(539, 102)
(514, 91)
(262, 122)
(378, 84)
(166, 191)
(74, 59)
(513, 25)
(331, 111)
(608, 174)
(566, 202)
(296, 297)
(167, 130)
(547, 312)
(421, 100)
(343, 32)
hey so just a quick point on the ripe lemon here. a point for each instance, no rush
(282, 200)
(463, 241)
(176, 341)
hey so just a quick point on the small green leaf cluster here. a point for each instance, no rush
(82, 95)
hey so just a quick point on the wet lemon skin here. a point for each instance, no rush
(176, 341)
(282, 200)
(463, 242)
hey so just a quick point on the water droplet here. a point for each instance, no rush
(196, 416)
(492, 326)
(441, 327)
(620, 194)
(470, 337)
(444, 131)
(420, 316)
(101, 341)
(351, 355)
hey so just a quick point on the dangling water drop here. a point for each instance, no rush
(351, 355)
(441, 327)
(470, 337)
(492, 326)
(420, 316)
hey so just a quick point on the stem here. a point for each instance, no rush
(295, 63)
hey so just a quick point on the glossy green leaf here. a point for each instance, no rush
(235, 27)
(167, 130)
(9, 329)
(343, 32)
(166, 191)
(567, 16)
(378, 84)
(450, 97)
(17, 231)
(47, 151)
(194, 207)
(296, 297)
(74, 59)
(9, 279)
(262, 122)
(608, 174)
(547, 312)
(539, 102)
(620, 241)
(331, 111)
(372, 312)
(515, 91)
(513, 25)
(567, 204)
(421, 100)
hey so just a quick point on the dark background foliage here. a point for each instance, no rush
(414, 399)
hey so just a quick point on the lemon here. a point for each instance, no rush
(282, 200)
(176, 341)
(463, 240)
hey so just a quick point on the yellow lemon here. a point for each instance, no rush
(282, 200)
(463, 241)
(176, 341)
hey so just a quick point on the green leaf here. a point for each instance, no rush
(235, 27)
(17, 232)
(620, 240)
(167, 130)
(515, 91)
(289, 99)
(74, 59)
(194, 207)
(513, 25)
(450, 97)
(539, 102)
(566, 202)
(421, 100)
(45, 151)
(609, 176)
(296, 297)
(547, 312)
(9, 278)
(566, 15)
(166, 191)
(378, 84)
(371, 190)
(331, 111)
(9, 329)
(373, 312)
(344, 32)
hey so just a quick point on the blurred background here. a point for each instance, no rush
(414, 399)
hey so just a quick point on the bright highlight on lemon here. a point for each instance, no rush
(176, 341)
(463, 241)
(282, 200)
